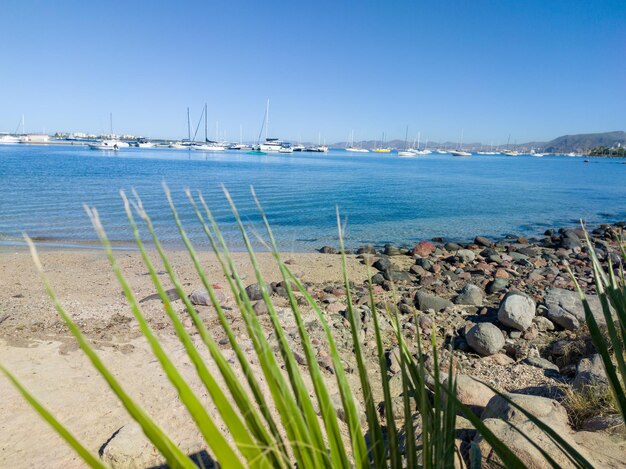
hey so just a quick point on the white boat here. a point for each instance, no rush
(408, 152)
(353, 149)
(209, 146)
(460, 153)
(9, 140)
(298, 147)
(285, 149)
(510, 153)
(177, 146)
(441, 152)
(113, 145)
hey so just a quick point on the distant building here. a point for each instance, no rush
(36, 138)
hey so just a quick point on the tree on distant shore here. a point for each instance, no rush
(606, 151)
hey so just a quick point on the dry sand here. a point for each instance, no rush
(37, 347)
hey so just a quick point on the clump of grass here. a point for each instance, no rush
(589, 402)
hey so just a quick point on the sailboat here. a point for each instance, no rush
(459, 151)
(270, 145)
(208, 145)
(109, 143)
(407, 152)
(382, 148)
(354, 149)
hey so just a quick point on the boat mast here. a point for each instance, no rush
(188, 126)
(206, 124)
(240, 134)
(23, 126)
(267, 118)
(419, 136)
(110, 122)
(406, 137)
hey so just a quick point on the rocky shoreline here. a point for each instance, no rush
(509, 313)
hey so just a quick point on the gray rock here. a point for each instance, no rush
(397, 276)
(472, 393)
(425, 301)
(466, 255)
(497, 285)
(517, 256)
(328, 250)
(541, 363)
(604, 423)
(546, 409)
(590, 373)
(485, 338)
(254, 291)
(517, 311)
(566, 309)
(338, 405)
(200, 298)
(543, 324)
(482, 241)
(470, 295)
(451, 247)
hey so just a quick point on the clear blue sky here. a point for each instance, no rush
(534, 69)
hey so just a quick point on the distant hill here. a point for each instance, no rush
(582, 142)
(579, 143)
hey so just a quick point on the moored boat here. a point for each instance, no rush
(113, 145)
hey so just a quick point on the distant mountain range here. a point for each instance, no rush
(579, 143)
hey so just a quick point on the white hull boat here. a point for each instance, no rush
(407, 153)
(111, 145)
(460, 153)
(208, 147)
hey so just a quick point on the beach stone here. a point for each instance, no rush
(590, 373)
(516, 440)
(543, 324)
(516, 311)
(366, 250)
(328, 250)
(566, 309)
(397, 276)
(604, 423)
(336, 402)
(254, 291)
(382, 264)
(497, 285)
(391, 250)
(425, 301)
(451, 247)
(547, 410)
(470, 295)
(482, 241)
(541, 363)
(199, 298)
(485, 339)
(470, 392)
(466, 255)
(423, 249)
(129, 448)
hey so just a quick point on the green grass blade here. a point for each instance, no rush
(174, 456)
(228, 269)
(359, 448)
(377, 445)
(254, 451)
(213, 436)
(309, 426)
(329, 415)
(392, 433)
(87, 456)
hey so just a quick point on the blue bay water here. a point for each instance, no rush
(382, 198)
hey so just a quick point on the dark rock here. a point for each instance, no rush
(366, 250)
(425, 301)
(391, 250)
(254, 291)
(482, 241)
(378, 279)
(328, 250)
(383, 264)
(541, 363)
(397, 276)
(590, 373)
(451, 247)
(497, 285)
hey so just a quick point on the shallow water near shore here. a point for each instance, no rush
(383, 198)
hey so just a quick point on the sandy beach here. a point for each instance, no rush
(37, 347)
